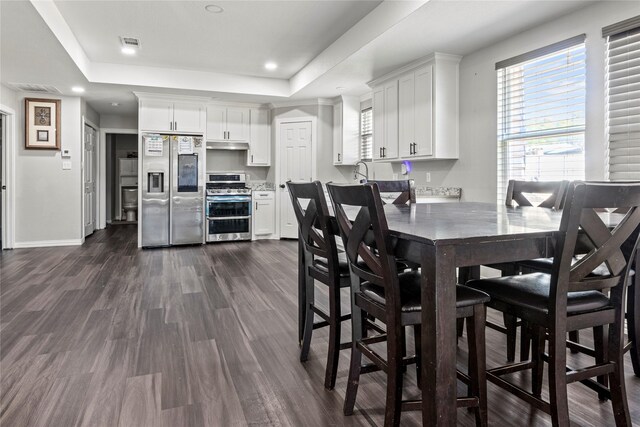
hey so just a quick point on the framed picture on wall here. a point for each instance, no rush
(42, 124)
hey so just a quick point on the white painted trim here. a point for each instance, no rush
(217, 102)
(89, 123)
(172, 97)
(435, 56)
(9, 178)
(314, 156)
(301, 102)
(102, 171)
(48, 243)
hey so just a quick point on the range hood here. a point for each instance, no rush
(227, 145)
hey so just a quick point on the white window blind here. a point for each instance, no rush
(366, 134)
(623, 102)
(541, 114)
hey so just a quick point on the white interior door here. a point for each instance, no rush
(89, 180)
(295, 165)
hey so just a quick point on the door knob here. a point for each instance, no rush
(281, 185)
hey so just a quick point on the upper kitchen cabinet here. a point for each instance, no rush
(228, 123)
(415, 111)
(161, 115)
(259, 153)
(346, 131)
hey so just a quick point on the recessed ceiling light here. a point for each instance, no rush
(213, 8)
(115, 104)
(340, 88)
(77, 89)
(128, 50)
(270, 65)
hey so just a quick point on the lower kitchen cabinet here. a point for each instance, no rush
(264, 214)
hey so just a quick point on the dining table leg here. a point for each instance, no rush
(438, 335)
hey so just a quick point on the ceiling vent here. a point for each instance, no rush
(130, 42)
(29, 87)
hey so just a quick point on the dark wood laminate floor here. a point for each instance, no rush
(108, 335)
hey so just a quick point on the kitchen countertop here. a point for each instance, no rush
(261, 186)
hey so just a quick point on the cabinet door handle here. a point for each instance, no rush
(252, 162)
(170, 125)
(384, 151)
(256, 205)
(228, 134)
(338, 156)
(175, 125)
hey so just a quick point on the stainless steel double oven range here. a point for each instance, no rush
(228, 207)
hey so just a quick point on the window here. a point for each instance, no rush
(623, 99)
(366, 134)
(541, 114)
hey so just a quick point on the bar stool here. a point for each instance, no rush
(380, 291)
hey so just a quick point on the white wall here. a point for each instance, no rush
(90, 114)
(234, 161)
(113, 121)
(48, 199)
(476, 170)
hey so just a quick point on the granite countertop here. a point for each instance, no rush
(424, 191)
(261, 186)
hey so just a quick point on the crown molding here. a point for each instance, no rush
(172, 97)
(432, 57)
(302, 103)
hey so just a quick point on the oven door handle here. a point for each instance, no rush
(224, 218)
(228, 199)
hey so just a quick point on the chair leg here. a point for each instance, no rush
(600, 344)
(333, 352)
(633, 324)
(616, 378)
(558, 379)
(537, 351)
(460, 326)
(510, 322)
(525, 342)
(394, 376)
(417, 334)
(575, 337)
(355, 365)
(477, 361)
(308, 323)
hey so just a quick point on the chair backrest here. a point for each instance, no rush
(363, 226)
(405, 187)
(516, 191)
(582, 218)
(314, 222)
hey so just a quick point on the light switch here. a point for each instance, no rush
(66, 165)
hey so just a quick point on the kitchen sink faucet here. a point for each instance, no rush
(356, 171)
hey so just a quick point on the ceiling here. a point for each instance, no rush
(319, 45)
(240, 40)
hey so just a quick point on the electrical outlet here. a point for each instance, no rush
(428, 176)
(395, 176)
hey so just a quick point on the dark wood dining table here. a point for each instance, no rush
(441, 237)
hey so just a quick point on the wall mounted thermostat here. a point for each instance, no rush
(66, 152)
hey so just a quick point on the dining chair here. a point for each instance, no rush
(522, 193)
(322, 263)
(378, 290)
(406, 188)
(571, 298)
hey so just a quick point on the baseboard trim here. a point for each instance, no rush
(47, 243)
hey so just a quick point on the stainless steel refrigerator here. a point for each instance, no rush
(172, 190)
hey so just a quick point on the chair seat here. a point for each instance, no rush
(410, 293)
(531, 291)
(343, 264)
(545, 265)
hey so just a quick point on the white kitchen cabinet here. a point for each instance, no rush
(346, 131)
(264, 214)
(415, 111)
(159, 115)
(259, 153)
(385, 121)
(228, 123)
(415, 114)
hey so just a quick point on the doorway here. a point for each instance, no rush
(121, 178)
(295, 164)
(7, 177)
(2, 181)
(89, 178)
